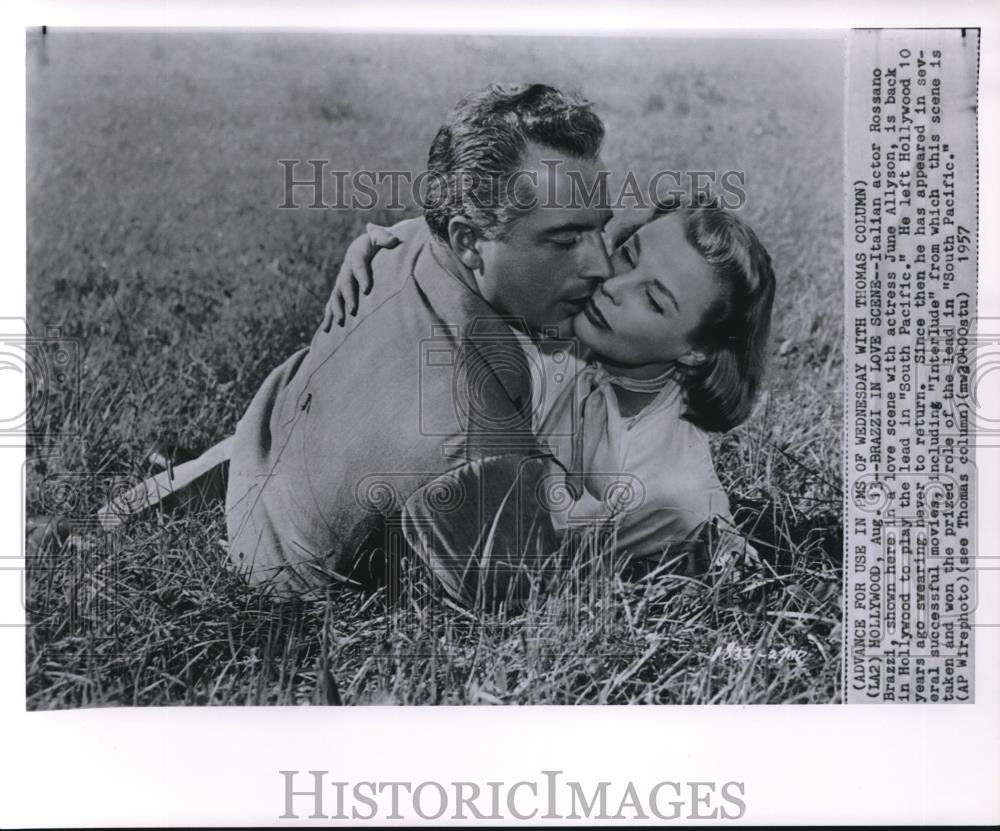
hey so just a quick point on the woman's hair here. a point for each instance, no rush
(733, 333)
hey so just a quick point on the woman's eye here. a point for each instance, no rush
(652, 302)
(627, 254)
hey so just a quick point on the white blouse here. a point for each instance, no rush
(649, 477)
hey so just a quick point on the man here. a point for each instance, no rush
(412, 423)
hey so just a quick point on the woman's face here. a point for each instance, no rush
(647, 312)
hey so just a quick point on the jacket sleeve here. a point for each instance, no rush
(483, 531)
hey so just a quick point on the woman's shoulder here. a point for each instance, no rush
(665, 428)
(674, 456)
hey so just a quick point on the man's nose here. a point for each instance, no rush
(596, 264)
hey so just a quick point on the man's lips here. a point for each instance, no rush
(594, 315)
(577, 302)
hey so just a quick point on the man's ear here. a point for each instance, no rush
(464, 239)
(692, 358)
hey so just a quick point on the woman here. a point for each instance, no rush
(674, 348)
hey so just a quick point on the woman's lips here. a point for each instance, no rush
(594, 315)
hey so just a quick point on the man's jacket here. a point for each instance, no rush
(409, 429)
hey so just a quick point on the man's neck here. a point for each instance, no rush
(453, 265)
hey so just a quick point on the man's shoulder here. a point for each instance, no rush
(420, 280)
(390, 301)
(414, 236)
(401, 259)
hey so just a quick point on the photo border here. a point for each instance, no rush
(187, 766)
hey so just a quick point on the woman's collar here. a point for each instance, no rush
(647, 385)
(664, 388)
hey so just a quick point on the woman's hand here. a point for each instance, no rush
(734, 558)
(355, 276)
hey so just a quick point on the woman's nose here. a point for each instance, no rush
(612, 289)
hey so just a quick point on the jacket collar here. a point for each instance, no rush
(454, 298)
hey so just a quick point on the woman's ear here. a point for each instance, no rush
(464, 239)
(692, 358)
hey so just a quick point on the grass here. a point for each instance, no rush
(155, 246)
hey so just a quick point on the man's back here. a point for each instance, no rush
(423, 387)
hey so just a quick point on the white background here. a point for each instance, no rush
(858, 764)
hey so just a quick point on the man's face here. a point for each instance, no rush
(552, 258)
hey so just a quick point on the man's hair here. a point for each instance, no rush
(474, 158)
(734, 331)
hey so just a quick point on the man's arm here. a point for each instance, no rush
(482, 531)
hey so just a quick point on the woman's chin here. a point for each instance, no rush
(597, 342)
(593, 339)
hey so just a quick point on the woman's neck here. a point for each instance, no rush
(646, 372)
(631, 402)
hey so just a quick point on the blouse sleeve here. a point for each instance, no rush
(682, 494)
(687, 515)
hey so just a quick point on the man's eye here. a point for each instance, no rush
(566, 242)
(628, 255)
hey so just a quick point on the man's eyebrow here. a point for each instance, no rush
(670, 295)
(578, 226)
(569, 226)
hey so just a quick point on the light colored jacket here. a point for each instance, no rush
(408, 427)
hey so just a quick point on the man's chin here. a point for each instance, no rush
(583, 330)
(560, 329)
(566, 310)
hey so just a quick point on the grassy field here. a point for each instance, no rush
(155, 245)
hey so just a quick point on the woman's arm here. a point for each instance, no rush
(355, 276)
